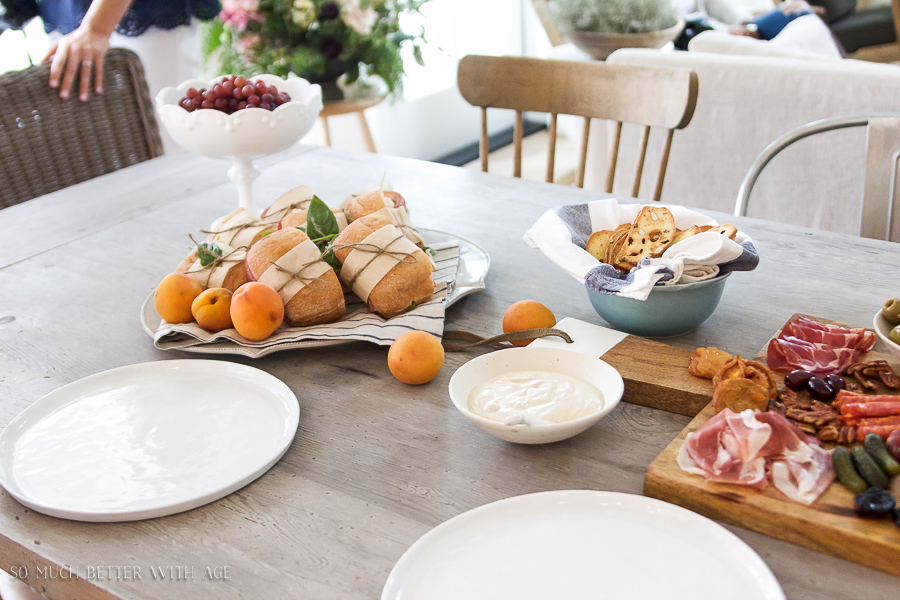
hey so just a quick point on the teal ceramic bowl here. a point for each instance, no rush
(668, 310)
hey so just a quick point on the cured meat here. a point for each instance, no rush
(883, 430)
(847, 397)
(793, 353)
(859, 339)
(742, 448)
(868, 421)
(813, 346)
(893, 444)
(871, 409)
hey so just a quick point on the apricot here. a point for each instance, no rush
(212, 309)
(527, 314)
(174, 296)
(416, 357)
(256, 310)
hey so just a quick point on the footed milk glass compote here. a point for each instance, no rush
(246, 134)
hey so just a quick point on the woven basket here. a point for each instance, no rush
(47, 143)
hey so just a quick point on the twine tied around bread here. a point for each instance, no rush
(216, 262)
(294, 205)
(296, 275)
(239, 228)
(376, 251)
(498, 340)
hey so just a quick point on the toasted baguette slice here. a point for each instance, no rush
(728, 230)
(650, 235)
(405, 283)
(616, 241)
(321, 301)
(597, 243)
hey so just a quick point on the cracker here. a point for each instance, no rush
(597, 243)
(650, 235)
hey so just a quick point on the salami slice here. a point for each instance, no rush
(847, 397)
(871, 409)
(870, 421)
(883, 430)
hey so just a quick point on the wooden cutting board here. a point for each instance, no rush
(656, 375)
(830, 525)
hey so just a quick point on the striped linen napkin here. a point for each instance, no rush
(357, 325)
(562, 234)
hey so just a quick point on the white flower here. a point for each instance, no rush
(303, 13)
(357, 18)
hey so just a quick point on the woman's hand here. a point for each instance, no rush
(77, 55)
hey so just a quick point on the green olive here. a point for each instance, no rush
(891, 311)
(895, 334)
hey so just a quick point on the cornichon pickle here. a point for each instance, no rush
(867, 467)
(875, 447)
(846, 472)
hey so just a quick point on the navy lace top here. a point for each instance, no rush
(66, 15)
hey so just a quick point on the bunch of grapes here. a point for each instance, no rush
(233, 94)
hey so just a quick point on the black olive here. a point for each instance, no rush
(819, 390)
(797, 380)
(874, 502)
(836, 382)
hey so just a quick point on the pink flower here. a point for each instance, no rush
(357, 18)
(248, 41)
(239, 13)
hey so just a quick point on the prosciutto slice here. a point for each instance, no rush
(744, 448)
(788, 354)
(858, 339)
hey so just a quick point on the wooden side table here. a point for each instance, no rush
(343, 107)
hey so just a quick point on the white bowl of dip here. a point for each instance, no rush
(535, 395)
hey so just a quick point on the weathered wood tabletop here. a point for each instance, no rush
(375, 463)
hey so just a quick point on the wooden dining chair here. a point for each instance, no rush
(648, 96)
(880, 195)
(47, 143)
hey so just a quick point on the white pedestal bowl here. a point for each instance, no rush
(246, 134)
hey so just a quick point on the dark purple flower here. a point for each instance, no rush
(331, 48)
(329, 11)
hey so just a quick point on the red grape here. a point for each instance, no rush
(234, 94)
(228, 87)
(261, 88)
(242, 104)
(221, 104)
(212, 96)
(240, 82)
(266, 106)
(248, 90)
(238, 93)
(191, 93)
(207, 104)
(197, 101)
(267, 98)
(232, 105)
(253, 99)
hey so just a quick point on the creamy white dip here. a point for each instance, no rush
(543, 395)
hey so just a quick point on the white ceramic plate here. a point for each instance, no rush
(580, 545)
(147, 440)
(883, 330)
(474, 264)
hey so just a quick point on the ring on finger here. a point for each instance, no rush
(87, 63)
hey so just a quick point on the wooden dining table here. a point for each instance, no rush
(375, 463)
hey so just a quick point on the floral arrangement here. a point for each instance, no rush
(318, 40)
(615, 16)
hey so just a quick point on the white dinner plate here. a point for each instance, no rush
(580, 544)
(474, 263)
(147, 440)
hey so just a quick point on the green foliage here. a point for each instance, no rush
(315, 39)
(615, 16)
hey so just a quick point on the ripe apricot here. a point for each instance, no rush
(416, 357)
(256, 310)
(212, 309)
(174, 296)
(527, 314)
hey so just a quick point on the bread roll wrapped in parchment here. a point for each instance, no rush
(377, 200)
(225, 270)
(290, 263)
(382, 266)
(290, 209)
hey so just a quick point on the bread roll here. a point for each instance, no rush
(229, 274)
(320, 301)
(407, 282)
(239, 228)
(371, 202)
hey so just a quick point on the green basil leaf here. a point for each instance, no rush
(429, 250)
(412, 305)
(332, 260)
(207, 252)
(320, 221)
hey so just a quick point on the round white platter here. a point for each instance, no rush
(580, 544)
(474, 263)
(147, 440)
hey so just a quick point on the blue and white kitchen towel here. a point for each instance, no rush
(562, 234)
